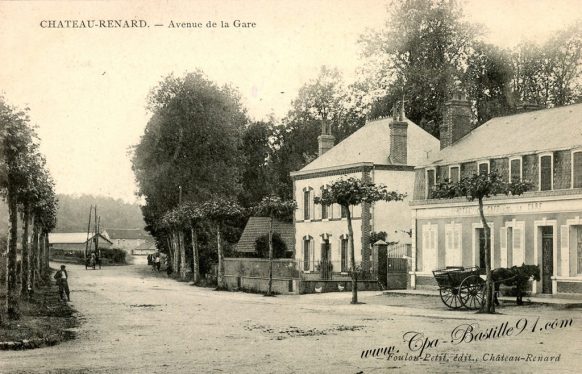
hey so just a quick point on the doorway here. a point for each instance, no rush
(547, 258)
(325, 266)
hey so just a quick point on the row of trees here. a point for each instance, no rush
(28, 188)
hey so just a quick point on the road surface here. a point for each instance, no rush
(136, 321)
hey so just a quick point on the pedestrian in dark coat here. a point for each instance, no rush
(62, 278)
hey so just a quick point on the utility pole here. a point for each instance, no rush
(96, 235)
(88, 229)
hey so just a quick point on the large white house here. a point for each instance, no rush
(384, 151)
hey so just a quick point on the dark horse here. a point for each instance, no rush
(516, 276)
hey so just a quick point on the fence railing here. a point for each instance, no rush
(399, 250)
(328, 269)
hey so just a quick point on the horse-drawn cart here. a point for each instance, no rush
(460, 287)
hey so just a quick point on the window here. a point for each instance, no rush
(546, 172)
(453, 256)
(323, 207)
(306, 203)
(515, 170)
(483, 167)
(429, 247)
(454, 173)
(344, 211)
(577, 169)
(344, 255)
(429, 182)
(517, 239)
(306, 257)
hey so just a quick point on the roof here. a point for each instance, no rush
(127, 234)
(536, 131)
(71, 238)
(371, 143)
(259, 226)
(148, 244)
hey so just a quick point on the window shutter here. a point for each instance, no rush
(434, 246)
(457, 245)
(452, 245)
(503, 246)
(565, 250)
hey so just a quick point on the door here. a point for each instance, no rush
(547, 258)
(325, 267)
(579, 250)
(482, 252)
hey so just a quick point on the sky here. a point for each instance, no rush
(87, 88)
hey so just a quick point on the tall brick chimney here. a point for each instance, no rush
(456, 120)
(326, 140)
(398, 137)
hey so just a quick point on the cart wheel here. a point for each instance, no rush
(451, 297)
(472, 292)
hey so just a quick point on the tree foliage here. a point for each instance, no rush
(192, 142)
(419, 54)
(354, 191)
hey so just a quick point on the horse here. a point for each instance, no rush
(516, 276)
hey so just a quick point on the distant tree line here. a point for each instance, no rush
(115, 213)
(28, 189)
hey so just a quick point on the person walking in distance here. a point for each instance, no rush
(157, 262)
(62, 281)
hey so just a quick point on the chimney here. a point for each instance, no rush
(456, 120)
(326, 140)
(398, 137)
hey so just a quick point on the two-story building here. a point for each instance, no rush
(542, 226)
(383, 151)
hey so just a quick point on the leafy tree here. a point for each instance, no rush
(192, 142)
(219, 211)
(279, 247)
(274, 207)
(479, 187)
(564, 51)
(255, 169)
(488, 79)
(419, 54)
(350, 192)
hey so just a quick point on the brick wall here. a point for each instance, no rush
(562, 169)
(530, 170)
(501, 166)
(419, 184)
(468, 169)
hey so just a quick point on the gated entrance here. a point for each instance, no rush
(392, 265)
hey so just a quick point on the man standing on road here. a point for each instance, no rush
(157, 262)
(62, 281)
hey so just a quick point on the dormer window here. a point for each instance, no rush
(483, 167)
(577, 169)
(546, 172)
(430, 182)
(454, 173)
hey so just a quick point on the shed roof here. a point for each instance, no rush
(537, 131)
(71, 238)
(127, 234)
(371, 143)
(259, 226)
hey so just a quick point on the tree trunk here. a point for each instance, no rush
(170, 259)
(12, 308)
(352, 257)
(270, 289)
(34, 255)
(488, 306)
(47, 250)
(25, 259)
(183, 264)
(175, 258)
(220, 279)
(195, 258)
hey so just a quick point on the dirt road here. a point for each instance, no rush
(135, 321)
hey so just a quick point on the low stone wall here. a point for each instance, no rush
(316, 286)
(252, 275)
